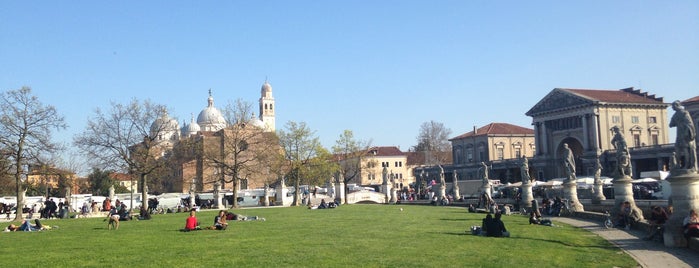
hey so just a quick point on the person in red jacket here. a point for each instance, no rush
(191, 223)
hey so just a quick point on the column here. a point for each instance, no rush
(544, 138)
(595, 129)
(586, 134)
(537, 137)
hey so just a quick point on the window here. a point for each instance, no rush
(634, 119)
(518, 152)
(654, 139)
(395, 164)
(469, 155)
(636, 140)
(501, 153)
(652, 120)
(616, 119)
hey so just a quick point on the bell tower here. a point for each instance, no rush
(267, 106)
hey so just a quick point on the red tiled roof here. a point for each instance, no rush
(691, 100)
(120, 176)
(497, 129)
(626, 95)
(385, 151)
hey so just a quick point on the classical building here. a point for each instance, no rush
(500, 145)
(189, 150)
(584, 118)
(375, 159)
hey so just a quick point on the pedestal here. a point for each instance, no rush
(393, 196)
(340, 192)
(527, 196)
(442, 191)
(623, 191)
(685, 196)
(599, 194)
(570, 192)
(456, 190)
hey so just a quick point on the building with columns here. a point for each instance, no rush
(584, 118)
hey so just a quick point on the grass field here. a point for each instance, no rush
(348, 236)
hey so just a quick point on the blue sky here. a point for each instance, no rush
(378, 68)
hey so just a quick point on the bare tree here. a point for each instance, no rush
(246, 149)
(307, 160)
(121, 139)
(25, 133)
(433, 141)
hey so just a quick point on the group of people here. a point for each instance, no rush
(493, 226)
(324, 205)
(220, 220)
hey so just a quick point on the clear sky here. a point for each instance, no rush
(378, 68)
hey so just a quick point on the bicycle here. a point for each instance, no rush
(565, 209)
(608, 221)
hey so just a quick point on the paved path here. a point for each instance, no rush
(647, 253)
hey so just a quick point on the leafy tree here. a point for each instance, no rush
(26, 125)
(433, 141)
(100, 181)
(348, 152)
(306, 157)
(121, 139)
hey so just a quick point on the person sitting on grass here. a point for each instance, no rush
(487, 222)
(497, 227)
(220, 221)
(191, 224)
(533, 219)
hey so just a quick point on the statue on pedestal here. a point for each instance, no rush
(685, 143)
(569, 163)
(623, 157)
(524, 170)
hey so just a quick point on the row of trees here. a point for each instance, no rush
(123, 138)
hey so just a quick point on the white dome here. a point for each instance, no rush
(190, 129)
(257, 122)
(165, 128)
(211, 119)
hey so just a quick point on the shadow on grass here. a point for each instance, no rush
(468, 233)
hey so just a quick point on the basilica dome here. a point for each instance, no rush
(211, 119)
(257, 122)
(164, 128)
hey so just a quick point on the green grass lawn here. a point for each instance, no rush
(348, 236)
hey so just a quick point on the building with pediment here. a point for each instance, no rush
(584, 118)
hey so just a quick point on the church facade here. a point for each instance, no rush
(191, 151)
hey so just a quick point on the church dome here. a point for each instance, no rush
(257, 122)
(190, 129)
(211, 119)
(165, 128)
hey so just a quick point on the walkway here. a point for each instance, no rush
(648, 254)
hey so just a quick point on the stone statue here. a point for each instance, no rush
(441, 175)
(384, 172)
(524, 169)
(598, 171)
(624, 164)
(569, 163)
(685, 144)
(484, 173)
(618, 141)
